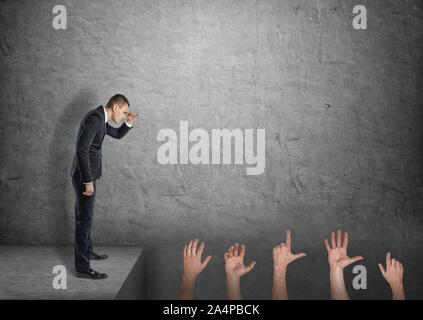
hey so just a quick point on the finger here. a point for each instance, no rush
(338, 239)
(185, 251)
(231, 252)
(382, 270)
(327, 245)
(206, 261)
(275, 252)
(236, 249)
(251, 266)
(388, 261)
(332, 236)
(189, 248)
(299, 255)
(194, 247)
(200, 249)
(394, 263)
(242, 251)
(226, 256)
(345, 244)
(355, 259)
(288, 239)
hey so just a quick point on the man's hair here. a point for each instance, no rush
(120, 99)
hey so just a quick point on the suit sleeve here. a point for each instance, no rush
(117, 133)
(90, 128)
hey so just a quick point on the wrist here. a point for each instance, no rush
(397, 288)
(232, 279)
(336, 270)
(187, 278)
(279, 270)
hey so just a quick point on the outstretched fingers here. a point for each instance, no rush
(327, 245)
(332, 237)
(338, 238)
(345, 244)
(288, 239)
(242, 251)
(388, 261)
(189, 248)
(236, 249)
(200, 249)
(194, 247)
(231, 251)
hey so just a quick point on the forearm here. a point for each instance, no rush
(398, 292)
(118, 133)
(233, 288)
(337, 285)
(187, 289)
(279, 291)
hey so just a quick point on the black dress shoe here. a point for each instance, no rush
(95, 256)
(90, 274)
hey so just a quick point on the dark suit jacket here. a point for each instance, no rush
(86, 163)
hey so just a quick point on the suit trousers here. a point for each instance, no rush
(84, 211)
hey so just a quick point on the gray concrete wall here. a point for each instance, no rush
(342, 110)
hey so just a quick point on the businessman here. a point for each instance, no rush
(86, 169)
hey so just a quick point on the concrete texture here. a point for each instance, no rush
(26, 273)
(342, 110)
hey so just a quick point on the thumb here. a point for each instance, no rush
(355, 259)
(299, 255)
(251, 266)
(382, 270)
(206, 261)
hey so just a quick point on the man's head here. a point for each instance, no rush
(118, 105)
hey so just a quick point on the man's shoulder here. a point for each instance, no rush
(94, 117)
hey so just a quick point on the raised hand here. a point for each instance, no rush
(192, 268)
(130, 116)
(282, 255)
(337, 254)
(192, 259)
(234, 262)
(393, 275)
(338, 260)
(235, 269)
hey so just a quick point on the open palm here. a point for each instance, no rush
(337, 254)
(234, 262)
